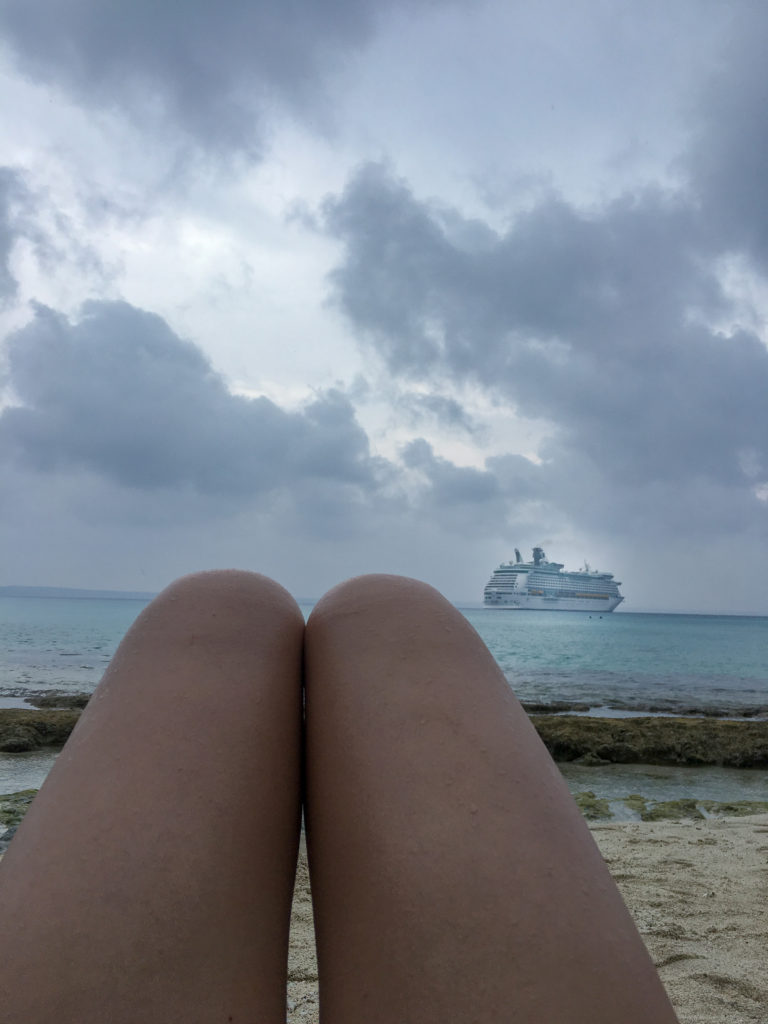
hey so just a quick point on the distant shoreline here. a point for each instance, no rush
(77, 594)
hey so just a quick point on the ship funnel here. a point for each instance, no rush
(517, 555)
(539, 556)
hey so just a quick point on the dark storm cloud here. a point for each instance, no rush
(595, 322)
(455, 497)
(119, 394)
(213, 67)
(558, 276)
(728, 160)
(450, 483)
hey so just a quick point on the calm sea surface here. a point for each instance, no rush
(620, 663)
(629, 660)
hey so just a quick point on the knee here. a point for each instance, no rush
(225, 601)
(377, 595)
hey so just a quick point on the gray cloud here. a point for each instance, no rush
(557, 276)
(213, 68)
(444, 409)
(123, 447)
(727, 163)
(458, 498)
(596, 322)
(28, 216)
(117, 397)
(120, 395)
(450, 483)
(12, 196)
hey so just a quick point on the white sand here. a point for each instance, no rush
(698, 892)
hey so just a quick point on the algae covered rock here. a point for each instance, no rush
(735, 808)
(636, 802)
(591, 760)
(13, 806)
(18, 738)
(691, 741)
(593, 808)
(553, 707)
(72, 701)
(21, 730)
(673, 810)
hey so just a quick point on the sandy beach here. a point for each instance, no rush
(698, 891)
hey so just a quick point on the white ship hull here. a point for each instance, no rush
(556, 604)
(542, 586)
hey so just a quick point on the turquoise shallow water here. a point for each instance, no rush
(59, 643)
(628, 661)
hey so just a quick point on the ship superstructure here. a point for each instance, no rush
(543, 585)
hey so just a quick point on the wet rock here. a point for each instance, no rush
(13, 807)
(5, 839)
(635, 802)
(555, 706)
(617, 752)
(735, 808)
(592, 807)
(691, 741)
(591, 760)
(673, 810)
(18, 739)
(21, 731)
(72, 701)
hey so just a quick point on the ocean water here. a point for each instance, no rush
(49, 643)
(632, 661)
(621, 663)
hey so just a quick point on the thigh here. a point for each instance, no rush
(152, 877)
(452, 875)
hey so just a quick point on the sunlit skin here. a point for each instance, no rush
(452, 876)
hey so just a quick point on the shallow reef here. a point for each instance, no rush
(13, 807)
(596, 808)
(593, 808)
(578, 738)
(679, 741)
(59, 700)
(21, 730)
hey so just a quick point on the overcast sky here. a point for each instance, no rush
(324, 287)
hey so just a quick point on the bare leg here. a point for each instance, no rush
(151, 880)
(453, 877)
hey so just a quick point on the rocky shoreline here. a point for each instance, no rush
(22, 731)
(13, 807)
(661, 741)
(670, 708)
(576, 738)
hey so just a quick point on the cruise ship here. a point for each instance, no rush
(542, 585)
